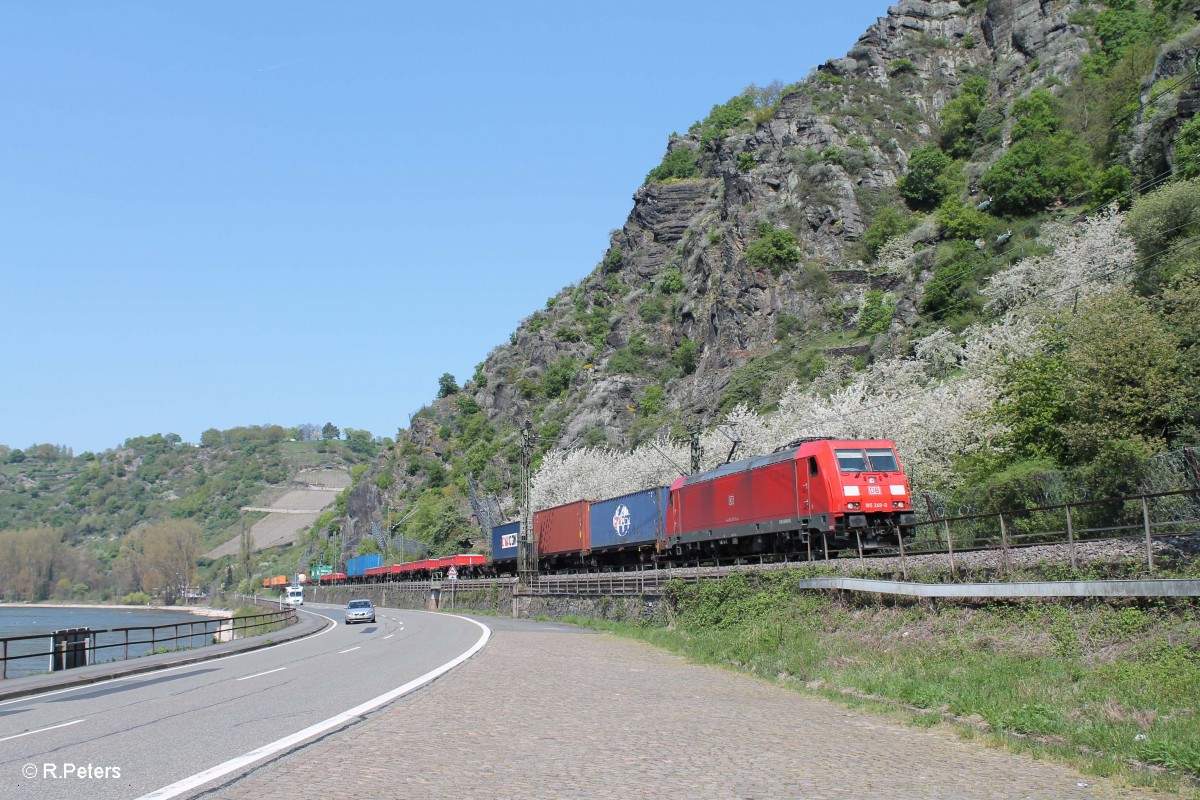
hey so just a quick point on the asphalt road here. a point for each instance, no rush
(151, 734)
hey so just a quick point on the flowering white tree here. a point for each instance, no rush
(932, 418)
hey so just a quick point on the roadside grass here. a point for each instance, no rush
(245, 629)
(1111, 688)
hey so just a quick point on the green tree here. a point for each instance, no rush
(1044, 163)
(447, 385)
(775, 250)
(888, 223)
(1187, 150)
(678, 163)
(330, 431)
(922, 186)
(685, 356)
(959, 116)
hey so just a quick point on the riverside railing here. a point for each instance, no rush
(77, 647)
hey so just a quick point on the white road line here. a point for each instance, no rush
(41, 730)
(180, 666)
(348, 649)
(390, 635)
(242, 761)
(260, 674)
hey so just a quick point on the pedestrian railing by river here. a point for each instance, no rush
(76, 647)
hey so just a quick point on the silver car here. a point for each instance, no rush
(360, 611)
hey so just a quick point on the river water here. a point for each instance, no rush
(41, 620)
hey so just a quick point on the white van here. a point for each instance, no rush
(293, 596)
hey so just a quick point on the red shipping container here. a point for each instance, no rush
(563, 529)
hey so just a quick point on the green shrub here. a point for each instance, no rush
(567, 334)
(677, 163)
(888, 223)
(746, 162)
(776, 249)
(903, 66)
(1187, 150)
(653, 309)
(136, 599)
(612, 260)
(1112, 185)
(672, 281)
(1044, 163)
(959, 117)
(957, 220)
(877, 312)
(558, 377)
(726, 116)
(685, 356)
(922, 186)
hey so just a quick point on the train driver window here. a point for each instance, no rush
(851, 460)
(812, 466)
(883, 461)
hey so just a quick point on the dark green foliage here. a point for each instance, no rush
(653, 309)
(625, 362)
(776, 249)
(922, 186)
(447, 385)
(957, 220)
(903, 66)
(877, 312)
(1187, 150)
(959, 117)
(1112, 185)
(678, 163)
(558, 377)
(725, 116)
(888, 223)
(567, 334)
(746, 162)
(685, 356)
(952, 288)
(672, 281)
(613, 260)
(1044, 163)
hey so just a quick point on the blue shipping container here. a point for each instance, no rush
(504, 541)
(634, 519)
(359, 564)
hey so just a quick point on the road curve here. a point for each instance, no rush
(167, 733)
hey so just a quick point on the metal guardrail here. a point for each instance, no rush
(1115, 588)
(84, 646)
(1143, 516)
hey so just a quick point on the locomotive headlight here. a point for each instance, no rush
(851, 505)
(898, 504)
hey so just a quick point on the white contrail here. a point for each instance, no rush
(278, 66)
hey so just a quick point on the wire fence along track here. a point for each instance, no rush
(96, 646)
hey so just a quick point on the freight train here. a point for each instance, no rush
(814, 496)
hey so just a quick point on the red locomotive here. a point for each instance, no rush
(824, 493)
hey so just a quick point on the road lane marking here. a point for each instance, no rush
(348, 649)
(260, 674)
(390, 635)
(41, 730)
(267, 649)
(242, 761)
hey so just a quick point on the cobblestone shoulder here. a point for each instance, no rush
(564, 714)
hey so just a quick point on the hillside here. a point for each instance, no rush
(909, 242)
(76, 526)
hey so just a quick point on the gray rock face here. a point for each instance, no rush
(817, 165)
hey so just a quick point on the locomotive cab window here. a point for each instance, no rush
(851, 460)
(883, 461)
(812, 466)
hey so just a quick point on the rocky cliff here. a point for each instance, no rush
(681, 319)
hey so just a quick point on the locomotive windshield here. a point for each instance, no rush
(873, 461)
(883, 461)
(851, 460)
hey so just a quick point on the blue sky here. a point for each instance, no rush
(228, 214)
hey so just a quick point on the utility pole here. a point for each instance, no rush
(696, 451)
(527, 559)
